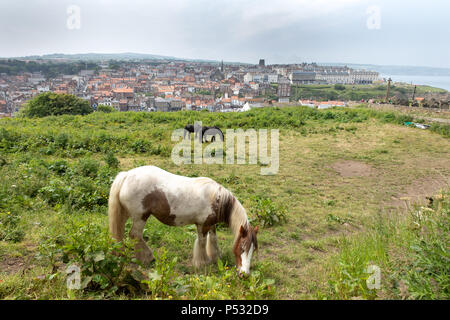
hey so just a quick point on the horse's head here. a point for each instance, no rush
(246, 243)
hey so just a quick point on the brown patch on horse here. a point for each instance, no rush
(156, 203)
(222, 206)
(210, 223)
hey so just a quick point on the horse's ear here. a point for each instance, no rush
(243, 231)
(256, 229)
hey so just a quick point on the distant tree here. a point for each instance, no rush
(339, 87)
(105, 109)
(53, 104)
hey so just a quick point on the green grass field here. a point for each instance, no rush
(346, 185)
(358, 92)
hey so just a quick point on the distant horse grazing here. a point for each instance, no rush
(177, 201)
(189, 128)
(211, 131)
(205, 131)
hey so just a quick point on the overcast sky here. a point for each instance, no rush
(395, 32)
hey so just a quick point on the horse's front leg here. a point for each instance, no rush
(143, 252)
(200, 256)
(212, 248)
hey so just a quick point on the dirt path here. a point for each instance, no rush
(11, 264)
(419, 191)
(439, 120)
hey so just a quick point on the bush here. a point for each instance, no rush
(102, 261)
(88, 167)
(111, 160)
(53, 104)
(266, 212)
(105, 109)
(60, 167)
(62, 140)
(56, 192)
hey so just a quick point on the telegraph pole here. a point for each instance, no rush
(414, 93)
(388, 90)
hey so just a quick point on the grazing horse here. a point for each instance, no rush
(211, 131)
(205, 131)
(189, 128)
(177, 201)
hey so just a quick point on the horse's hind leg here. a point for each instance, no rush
(143, 252)
(212, 249)
(200, 255)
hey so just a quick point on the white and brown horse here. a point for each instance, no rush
(178, 201)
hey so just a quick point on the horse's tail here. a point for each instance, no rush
(116, 214)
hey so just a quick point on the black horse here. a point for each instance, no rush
(189, 128)
(211, 131)
(202, 132)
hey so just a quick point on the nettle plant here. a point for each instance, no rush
(104, 263)
(164, 282)
(266, 212)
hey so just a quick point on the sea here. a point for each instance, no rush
(442, 82)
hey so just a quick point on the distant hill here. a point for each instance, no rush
(127, 56)
(130, 56)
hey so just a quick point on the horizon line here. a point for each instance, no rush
(214, 60)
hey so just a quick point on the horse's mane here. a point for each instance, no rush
(229, 210)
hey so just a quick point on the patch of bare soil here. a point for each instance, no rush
(11, 264)
(351, 168)
(419, 191)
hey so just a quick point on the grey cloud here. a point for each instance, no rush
(412, 32)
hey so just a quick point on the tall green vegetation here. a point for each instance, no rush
(53, 104)
(411, 251)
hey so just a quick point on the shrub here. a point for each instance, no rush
(62, 140)
(266, 212)
(88, 167)
(161, 280)
(56, 192)
(105, 109)
(102, 261)
(53, 104)
(140, 146)
(60, 167)
(111, 160)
